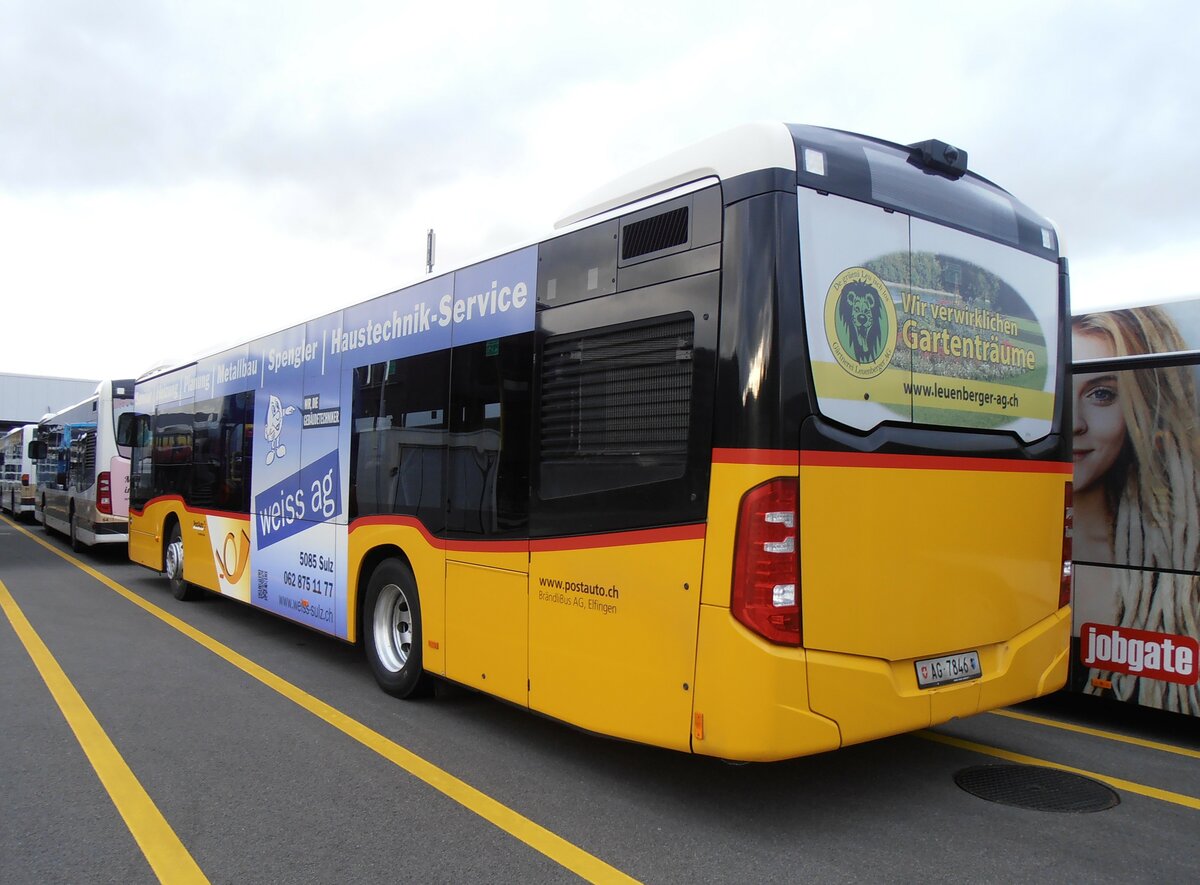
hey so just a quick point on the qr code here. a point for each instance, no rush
(262, 583)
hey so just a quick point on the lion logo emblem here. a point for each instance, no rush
(860, 311)
(860, 322)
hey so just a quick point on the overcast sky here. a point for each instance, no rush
(176, 176)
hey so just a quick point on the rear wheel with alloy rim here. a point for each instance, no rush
(392, 631)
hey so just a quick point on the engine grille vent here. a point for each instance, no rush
(655, 233)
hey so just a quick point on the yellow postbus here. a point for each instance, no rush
(759, 453)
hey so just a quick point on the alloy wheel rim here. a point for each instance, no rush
(175, 559)
(392, 628)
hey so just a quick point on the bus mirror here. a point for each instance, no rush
(37, 450)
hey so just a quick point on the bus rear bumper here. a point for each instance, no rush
(104, 533)
(871, 698)
(755, 701)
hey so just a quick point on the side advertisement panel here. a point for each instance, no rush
(297, 500)
(302, 494)
(1137, 508)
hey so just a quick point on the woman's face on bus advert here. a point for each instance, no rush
(1099, 424)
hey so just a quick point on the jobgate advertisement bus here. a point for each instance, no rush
(759, 453)
(1137, 505)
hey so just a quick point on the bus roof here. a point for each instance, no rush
(746, 148)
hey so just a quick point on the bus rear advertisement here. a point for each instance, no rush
(1137, 505)
(681, 472)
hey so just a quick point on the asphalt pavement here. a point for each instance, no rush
(148, 739)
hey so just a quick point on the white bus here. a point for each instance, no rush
(82, 474)
(17, 476)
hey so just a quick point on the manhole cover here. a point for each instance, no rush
(1036, 788)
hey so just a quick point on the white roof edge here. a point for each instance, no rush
(746, 148)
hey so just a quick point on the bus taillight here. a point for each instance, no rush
(104, 493)
(1064, 587)
(765, 563)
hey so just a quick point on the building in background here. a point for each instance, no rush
(24, 399)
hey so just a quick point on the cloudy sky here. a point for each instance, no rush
(175, 176)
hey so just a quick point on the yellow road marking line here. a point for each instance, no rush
(163, 849)
(1096, 732)
(1116, 782)
(515, 824)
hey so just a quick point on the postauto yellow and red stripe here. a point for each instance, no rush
(631, 634)
(216, 544)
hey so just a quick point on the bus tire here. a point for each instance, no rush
(391, 629)
(173, 566)
(76, 544)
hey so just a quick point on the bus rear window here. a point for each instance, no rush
(915, 322)
(894, 182)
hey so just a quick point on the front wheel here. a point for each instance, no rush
(392, 631)
(173, 567)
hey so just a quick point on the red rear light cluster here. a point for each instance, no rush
(104, 493)
(766, 570)
(24, 479)
(1064, 587)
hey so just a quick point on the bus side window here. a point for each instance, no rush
(171, 453)
(489, 436)
(220, 451)
(398, 438)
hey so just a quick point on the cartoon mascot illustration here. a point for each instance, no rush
(861, 312)
(273, 429)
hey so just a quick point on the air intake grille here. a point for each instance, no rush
(655, 233)
(616, 406)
